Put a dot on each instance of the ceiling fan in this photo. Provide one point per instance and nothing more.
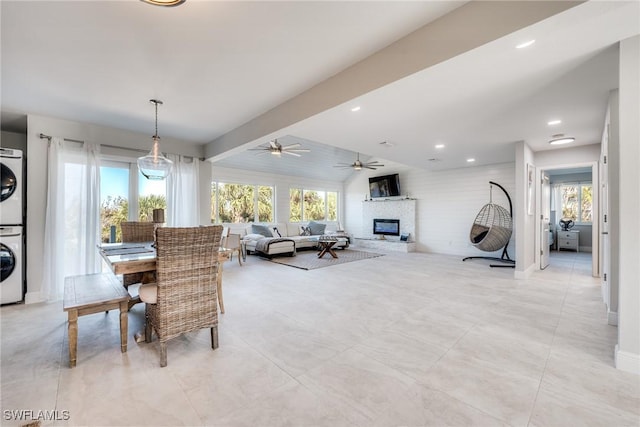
(358, 165)
(276, 149)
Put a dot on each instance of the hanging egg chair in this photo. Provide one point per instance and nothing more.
(492, 229)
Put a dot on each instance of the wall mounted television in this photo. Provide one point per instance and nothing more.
(386, 227)
(384, 186)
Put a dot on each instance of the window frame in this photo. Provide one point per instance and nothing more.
(326, 203)
(579, 186)
(215, 215)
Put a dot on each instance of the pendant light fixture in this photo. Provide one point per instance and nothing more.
(166, 3)
(154, 165)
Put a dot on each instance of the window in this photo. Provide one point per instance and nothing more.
(238, 203)
(125, 195)
(114, 200)
(312, 205)
(151, 195)
(577, 202)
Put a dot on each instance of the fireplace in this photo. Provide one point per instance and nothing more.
(386, 227)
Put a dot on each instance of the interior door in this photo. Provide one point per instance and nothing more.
(545, 218)
(605, 251)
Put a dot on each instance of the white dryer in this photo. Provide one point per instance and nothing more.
(11, 189)
(11, 262)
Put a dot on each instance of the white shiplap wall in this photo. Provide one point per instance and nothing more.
(282, 184)
(447, 203)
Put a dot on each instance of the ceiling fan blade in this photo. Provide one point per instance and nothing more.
(369, 167)
(300, 150)
(292, 154)
(373, 164)
(289, 147)
(263, 153)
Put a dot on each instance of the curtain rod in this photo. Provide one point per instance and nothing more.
(137, 150)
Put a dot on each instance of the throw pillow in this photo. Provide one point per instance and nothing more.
(316, 228)
(261, 229)
(276, 233)
(305, 231)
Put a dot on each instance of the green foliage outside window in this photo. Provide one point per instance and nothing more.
(313, 205)
(332, 206)
(235, 203)
(577, 202)
(265, 204)
(295, 205)
(115, 210)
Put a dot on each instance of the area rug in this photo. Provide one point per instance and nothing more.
(308, 260)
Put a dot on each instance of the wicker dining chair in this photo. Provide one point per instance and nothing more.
(132, 232)
(186, 295)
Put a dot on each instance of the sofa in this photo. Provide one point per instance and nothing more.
(269, 239)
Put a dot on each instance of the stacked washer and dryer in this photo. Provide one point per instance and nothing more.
(11, 215)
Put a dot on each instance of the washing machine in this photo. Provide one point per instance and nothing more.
(11, 261)
(11, 189)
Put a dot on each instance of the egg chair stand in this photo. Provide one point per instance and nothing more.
(492, 230)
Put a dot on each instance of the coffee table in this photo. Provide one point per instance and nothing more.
(94, 293)
(326, 244)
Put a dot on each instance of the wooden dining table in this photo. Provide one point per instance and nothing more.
(140, 257)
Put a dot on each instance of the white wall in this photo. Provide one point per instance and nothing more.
(282, 184)
(37, 176)
(16, 141)
(447, 203)
(628, 348)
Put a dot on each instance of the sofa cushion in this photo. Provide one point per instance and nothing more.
(253, 236)
(261, 229)
(316, 228)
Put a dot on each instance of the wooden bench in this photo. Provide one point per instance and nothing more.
(94, 293)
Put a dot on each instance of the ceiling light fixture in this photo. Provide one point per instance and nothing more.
(165, 3)
(525, 44)
(354, 109)
(358, 165)
(471, 160)
(559, 139)
(154, 165)
(439, 146)
(554, 122)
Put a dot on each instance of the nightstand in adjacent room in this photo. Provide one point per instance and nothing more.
(569, 240)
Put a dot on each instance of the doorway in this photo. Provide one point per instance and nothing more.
(569, 221)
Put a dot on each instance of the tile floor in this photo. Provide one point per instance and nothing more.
(405, 339)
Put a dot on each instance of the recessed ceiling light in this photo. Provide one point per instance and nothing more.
(471, 160)
(560, 139)
(525, 44)
(554, 122)
(439, 145)
(354, 109)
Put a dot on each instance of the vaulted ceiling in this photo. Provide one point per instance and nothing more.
(230, 73)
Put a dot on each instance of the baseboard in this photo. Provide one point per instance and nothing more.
(612, 318)
(588, 249)
(521, 275)
(34, 297)
(628, 362)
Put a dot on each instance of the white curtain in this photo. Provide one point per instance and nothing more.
(183, 206)
(72, 222)
(556, 203)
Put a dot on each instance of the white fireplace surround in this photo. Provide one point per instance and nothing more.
(403, 210)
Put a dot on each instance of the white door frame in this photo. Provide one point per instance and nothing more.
(595, 223)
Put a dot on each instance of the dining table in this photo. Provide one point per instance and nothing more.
(140, 257)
